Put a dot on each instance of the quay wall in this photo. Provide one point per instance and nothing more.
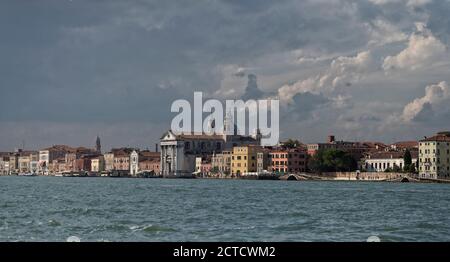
(368, 176)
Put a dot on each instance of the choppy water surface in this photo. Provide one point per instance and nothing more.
(115, 209)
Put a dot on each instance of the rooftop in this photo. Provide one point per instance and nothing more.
(406, 144)
(439, 137)
(390, 155)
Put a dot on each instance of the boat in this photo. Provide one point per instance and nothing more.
(27, 174)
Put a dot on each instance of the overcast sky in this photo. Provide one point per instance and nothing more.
(362, 70)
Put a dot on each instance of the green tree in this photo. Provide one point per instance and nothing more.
(332, 160)
(396, 169)
(389, 170)
(407, 159)
(290, 143)
(412, 168)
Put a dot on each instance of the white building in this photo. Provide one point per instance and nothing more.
(134, 163)
(380, 161)
(4, 165)
(44, 160)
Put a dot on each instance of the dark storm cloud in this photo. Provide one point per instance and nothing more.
(102, 61)
(303, 104)
(110, 63)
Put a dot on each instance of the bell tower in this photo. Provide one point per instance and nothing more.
(98, 145)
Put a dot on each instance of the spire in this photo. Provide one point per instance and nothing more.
(227, 124)
(98, 145)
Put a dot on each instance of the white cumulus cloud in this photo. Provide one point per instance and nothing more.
(342, 72)
(434, 104)
(423, 50)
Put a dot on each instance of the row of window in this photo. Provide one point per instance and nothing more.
(433, 143)
(240, 158)
(429, 160)
(244, 165)
(382, 166)
(203, 145)
(121, 160)
(285, 163)
(295, 155)
(274, 156)
(428, 151)
(424, 175)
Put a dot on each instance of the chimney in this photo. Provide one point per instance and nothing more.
(156, 147)
(331, 139)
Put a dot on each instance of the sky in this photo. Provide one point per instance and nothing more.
(374, 70)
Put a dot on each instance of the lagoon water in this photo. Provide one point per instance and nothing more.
(119, 209)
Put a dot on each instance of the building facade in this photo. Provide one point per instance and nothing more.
(434, 156)
(109, 161)
(134, 163)
(262, 161)
(244, 159)
(284, 161)
(382, 161)
(97, 164)
(221, 162)
(121, 160)
(354, 149)
(179, 151)
(149, 161)
(4, 163)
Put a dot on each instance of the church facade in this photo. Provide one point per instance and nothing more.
(179, 151)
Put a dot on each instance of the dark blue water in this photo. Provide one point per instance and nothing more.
(115, 209)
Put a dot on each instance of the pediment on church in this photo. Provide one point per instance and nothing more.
(168, 136)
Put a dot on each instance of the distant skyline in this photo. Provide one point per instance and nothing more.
(374, 70)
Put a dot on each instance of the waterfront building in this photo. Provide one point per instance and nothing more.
(70, 161)
(56, 166)
(221, 162)
(97, 164)
(48, 155)
(134, 163)
(149, 161)
(284, 161)
(354, 149)
(381, 161)
(434, 156)
(203, 166)
(27, 161)
(82, 164)
(150, 165)
(24, 163)
(122, 159)
(244, 159)
(34, 162)
(262, 161)
(109, 161)
(13, 163)
(179, 151)
(4, 164)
